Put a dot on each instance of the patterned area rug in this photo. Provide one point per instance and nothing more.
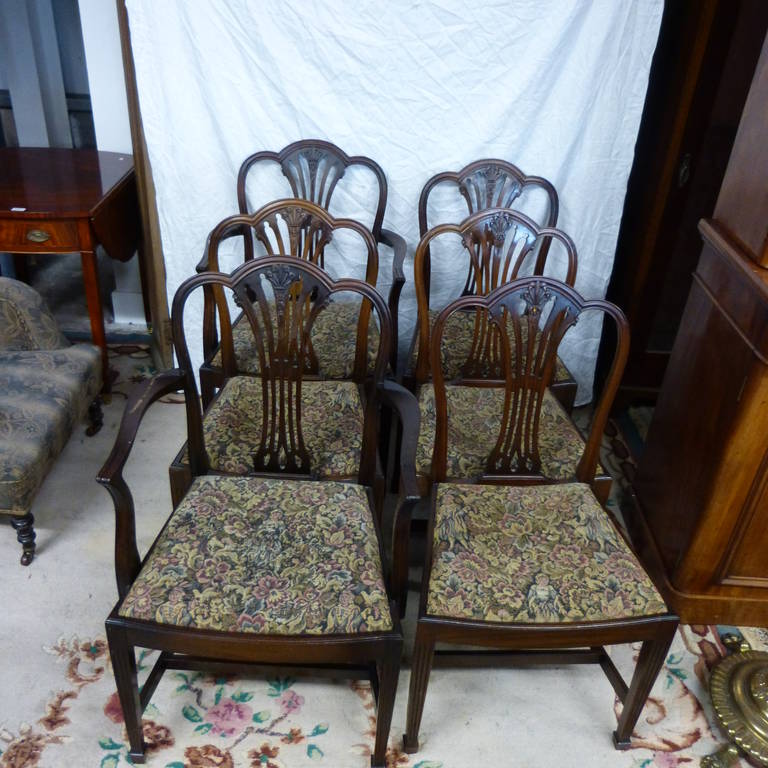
(60, 707)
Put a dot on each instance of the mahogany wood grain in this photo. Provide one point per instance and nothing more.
(701, 505)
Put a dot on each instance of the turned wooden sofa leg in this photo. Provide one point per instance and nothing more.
(25, 534)
(95, 417)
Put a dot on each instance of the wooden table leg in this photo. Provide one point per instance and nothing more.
(96, 313)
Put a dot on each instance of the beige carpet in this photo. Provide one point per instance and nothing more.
(58, 706)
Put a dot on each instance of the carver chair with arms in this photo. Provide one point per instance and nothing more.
(271, 568)
(313, 169)
(535, 569)
(339, 359)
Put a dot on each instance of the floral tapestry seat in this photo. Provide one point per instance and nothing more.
(474, 421)
(334, 336)
(331, 418)
(289, 557)
(536, 554)
(458, 334)
(47, 386)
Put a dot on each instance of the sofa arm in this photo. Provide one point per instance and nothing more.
(407, 409)
(26, 323)
(127, 561)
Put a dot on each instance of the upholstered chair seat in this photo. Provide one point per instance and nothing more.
(539, 554)
(288, 558)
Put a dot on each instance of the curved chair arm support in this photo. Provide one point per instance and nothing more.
(585, 471)
(407, 409)
(397, 244)
(127, 561)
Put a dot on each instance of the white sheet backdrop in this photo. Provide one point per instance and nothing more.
(555, 86)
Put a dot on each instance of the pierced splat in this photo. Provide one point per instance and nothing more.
(499, 243)
(281, 329)
(530, 324)
(525, 321)
(308, 235)
(490, 186)
(313, 173)
(287, 228)
(313, 169)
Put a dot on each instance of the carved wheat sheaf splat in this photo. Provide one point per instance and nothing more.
(308, 235)
(489, 186)
(529, 326)
(497, 247)
(281, 330)
(313, 173)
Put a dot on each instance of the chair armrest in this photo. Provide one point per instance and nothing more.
(397, 244)
(202, 265)
(127, 562)
(407, 409)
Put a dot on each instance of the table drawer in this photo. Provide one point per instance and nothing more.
(17, 235)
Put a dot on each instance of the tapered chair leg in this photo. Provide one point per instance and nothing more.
(388, 674)
(423, 652)
(649, 663)
(124, 667)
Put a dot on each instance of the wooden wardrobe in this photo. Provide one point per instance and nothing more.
(700, 516)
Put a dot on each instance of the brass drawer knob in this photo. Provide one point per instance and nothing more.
(38, 235)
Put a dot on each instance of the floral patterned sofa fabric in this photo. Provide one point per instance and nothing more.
(332, 425)
(499, 551)
(458, 334)
(43, 395)
(25, 321)
(288, 558)
(334, 338)
(474, 420)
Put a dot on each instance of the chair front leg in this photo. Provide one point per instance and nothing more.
(124, 666)
(389, 670)
(421, 666)
(652, 655)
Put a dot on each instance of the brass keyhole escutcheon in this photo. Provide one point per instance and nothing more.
(38, 235)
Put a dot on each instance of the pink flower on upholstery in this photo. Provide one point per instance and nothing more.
(229, 717)
(290, 701)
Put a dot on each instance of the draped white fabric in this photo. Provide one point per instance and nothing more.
(554, 86)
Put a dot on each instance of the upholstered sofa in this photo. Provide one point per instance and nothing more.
(47, 385)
